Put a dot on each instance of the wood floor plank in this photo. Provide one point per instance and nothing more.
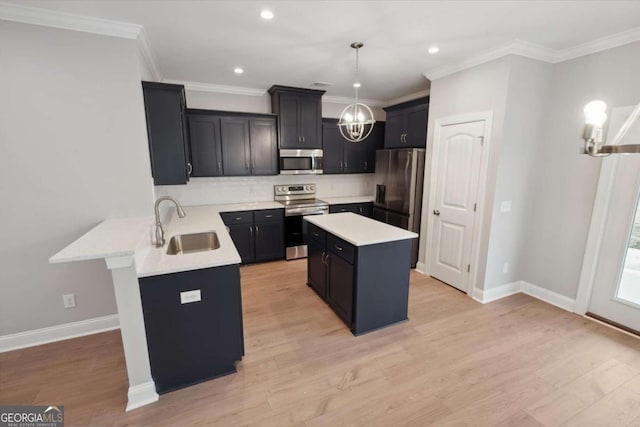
(514, 362)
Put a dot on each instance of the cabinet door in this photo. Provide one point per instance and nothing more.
(340, 287)
(332, 146)
(164, 107)
(394, 129)
(206, 152)
(310, 125)
(236, 152)
(264, 146)
(374, 142)
(416, 128)
(288, 120)
(365, 209)
(269, 240)
(242, 236)
(193, 342)
(353, 156)
(316, 269)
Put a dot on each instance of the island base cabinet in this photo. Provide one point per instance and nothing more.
(382, 285)
(316, 274)
(340, 287)
(192, 338)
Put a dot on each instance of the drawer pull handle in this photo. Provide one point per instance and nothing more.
(238, 218)
(268, 216)
(315, 234)
(338, 247)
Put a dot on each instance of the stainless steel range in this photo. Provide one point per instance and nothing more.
(298, 200)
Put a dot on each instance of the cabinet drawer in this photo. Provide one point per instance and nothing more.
(343, 249)
(241, 217)
(343, 207)
(316, 234)
(269, 215)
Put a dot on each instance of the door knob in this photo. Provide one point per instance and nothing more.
(436, 212)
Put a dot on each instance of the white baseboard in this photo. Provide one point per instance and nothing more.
(58, 333)
(420, 267)
(553, 298)
(548, 296)
(141, 394)
(493, 294)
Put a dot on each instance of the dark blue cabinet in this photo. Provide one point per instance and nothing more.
(299, 114)
(165, 107)
(257, 235)
(406, 125)
(191, 342)
(342, 156)
(364, 209)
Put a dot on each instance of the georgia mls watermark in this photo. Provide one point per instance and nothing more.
(31, 416)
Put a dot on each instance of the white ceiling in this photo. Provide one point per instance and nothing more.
(308, 41)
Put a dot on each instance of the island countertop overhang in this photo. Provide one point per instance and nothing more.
(359, 230)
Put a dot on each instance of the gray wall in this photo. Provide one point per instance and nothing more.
(565, 179)
(74, 152)
(527, 97)
(481, 88)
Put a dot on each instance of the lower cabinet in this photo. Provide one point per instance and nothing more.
(257, 235)
(366, 286)
(193, 323)
(365, 209)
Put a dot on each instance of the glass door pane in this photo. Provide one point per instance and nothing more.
(629, 287)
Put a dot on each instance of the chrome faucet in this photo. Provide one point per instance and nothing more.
(159, 229)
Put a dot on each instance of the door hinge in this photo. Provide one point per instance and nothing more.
(481, 138)
(475, 207)
(468, 268)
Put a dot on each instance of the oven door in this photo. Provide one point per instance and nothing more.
(293, 236)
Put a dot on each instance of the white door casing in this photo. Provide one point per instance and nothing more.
(457, 162)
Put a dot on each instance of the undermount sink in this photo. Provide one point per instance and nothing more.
(190, 243)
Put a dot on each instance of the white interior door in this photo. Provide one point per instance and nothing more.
(616, 286)
(457, 155)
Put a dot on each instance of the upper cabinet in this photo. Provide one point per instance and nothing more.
(165, 107)
(299, 114)
(342, 156)
(232, 144)
(407, 124)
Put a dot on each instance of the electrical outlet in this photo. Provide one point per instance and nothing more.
(505, 268)
(69, 300)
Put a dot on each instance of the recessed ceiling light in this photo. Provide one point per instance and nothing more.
(434, 49)
(238, 70)
(356, 85)
(266, 14)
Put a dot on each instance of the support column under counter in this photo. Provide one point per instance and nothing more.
(142, 389)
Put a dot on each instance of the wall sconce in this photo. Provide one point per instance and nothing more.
(595, 114)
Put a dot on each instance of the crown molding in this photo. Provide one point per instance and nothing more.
(215, 88)
(540, 53)
(147, 55)
(68, 21)
(409, 97)
(348, 100)
(598, 45)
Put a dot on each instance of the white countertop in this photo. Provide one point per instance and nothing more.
(131, 237)
(347, 199)
(359, 230)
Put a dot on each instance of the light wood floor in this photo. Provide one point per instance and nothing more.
(514, 362)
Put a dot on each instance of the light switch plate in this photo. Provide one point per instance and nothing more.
(190, 296)
(505, 206)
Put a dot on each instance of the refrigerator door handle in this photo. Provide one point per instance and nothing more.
(380, 193)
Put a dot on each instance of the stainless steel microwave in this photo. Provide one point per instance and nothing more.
(300, 162)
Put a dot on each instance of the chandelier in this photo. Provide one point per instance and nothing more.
(356, 121)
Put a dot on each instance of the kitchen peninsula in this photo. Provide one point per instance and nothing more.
(360, 267)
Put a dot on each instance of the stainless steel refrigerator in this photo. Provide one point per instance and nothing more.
(398, 190)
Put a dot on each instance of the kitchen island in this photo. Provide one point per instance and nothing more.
(360, 267)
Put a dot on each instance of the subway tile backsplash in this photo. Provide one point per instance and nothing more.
(222, 190)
